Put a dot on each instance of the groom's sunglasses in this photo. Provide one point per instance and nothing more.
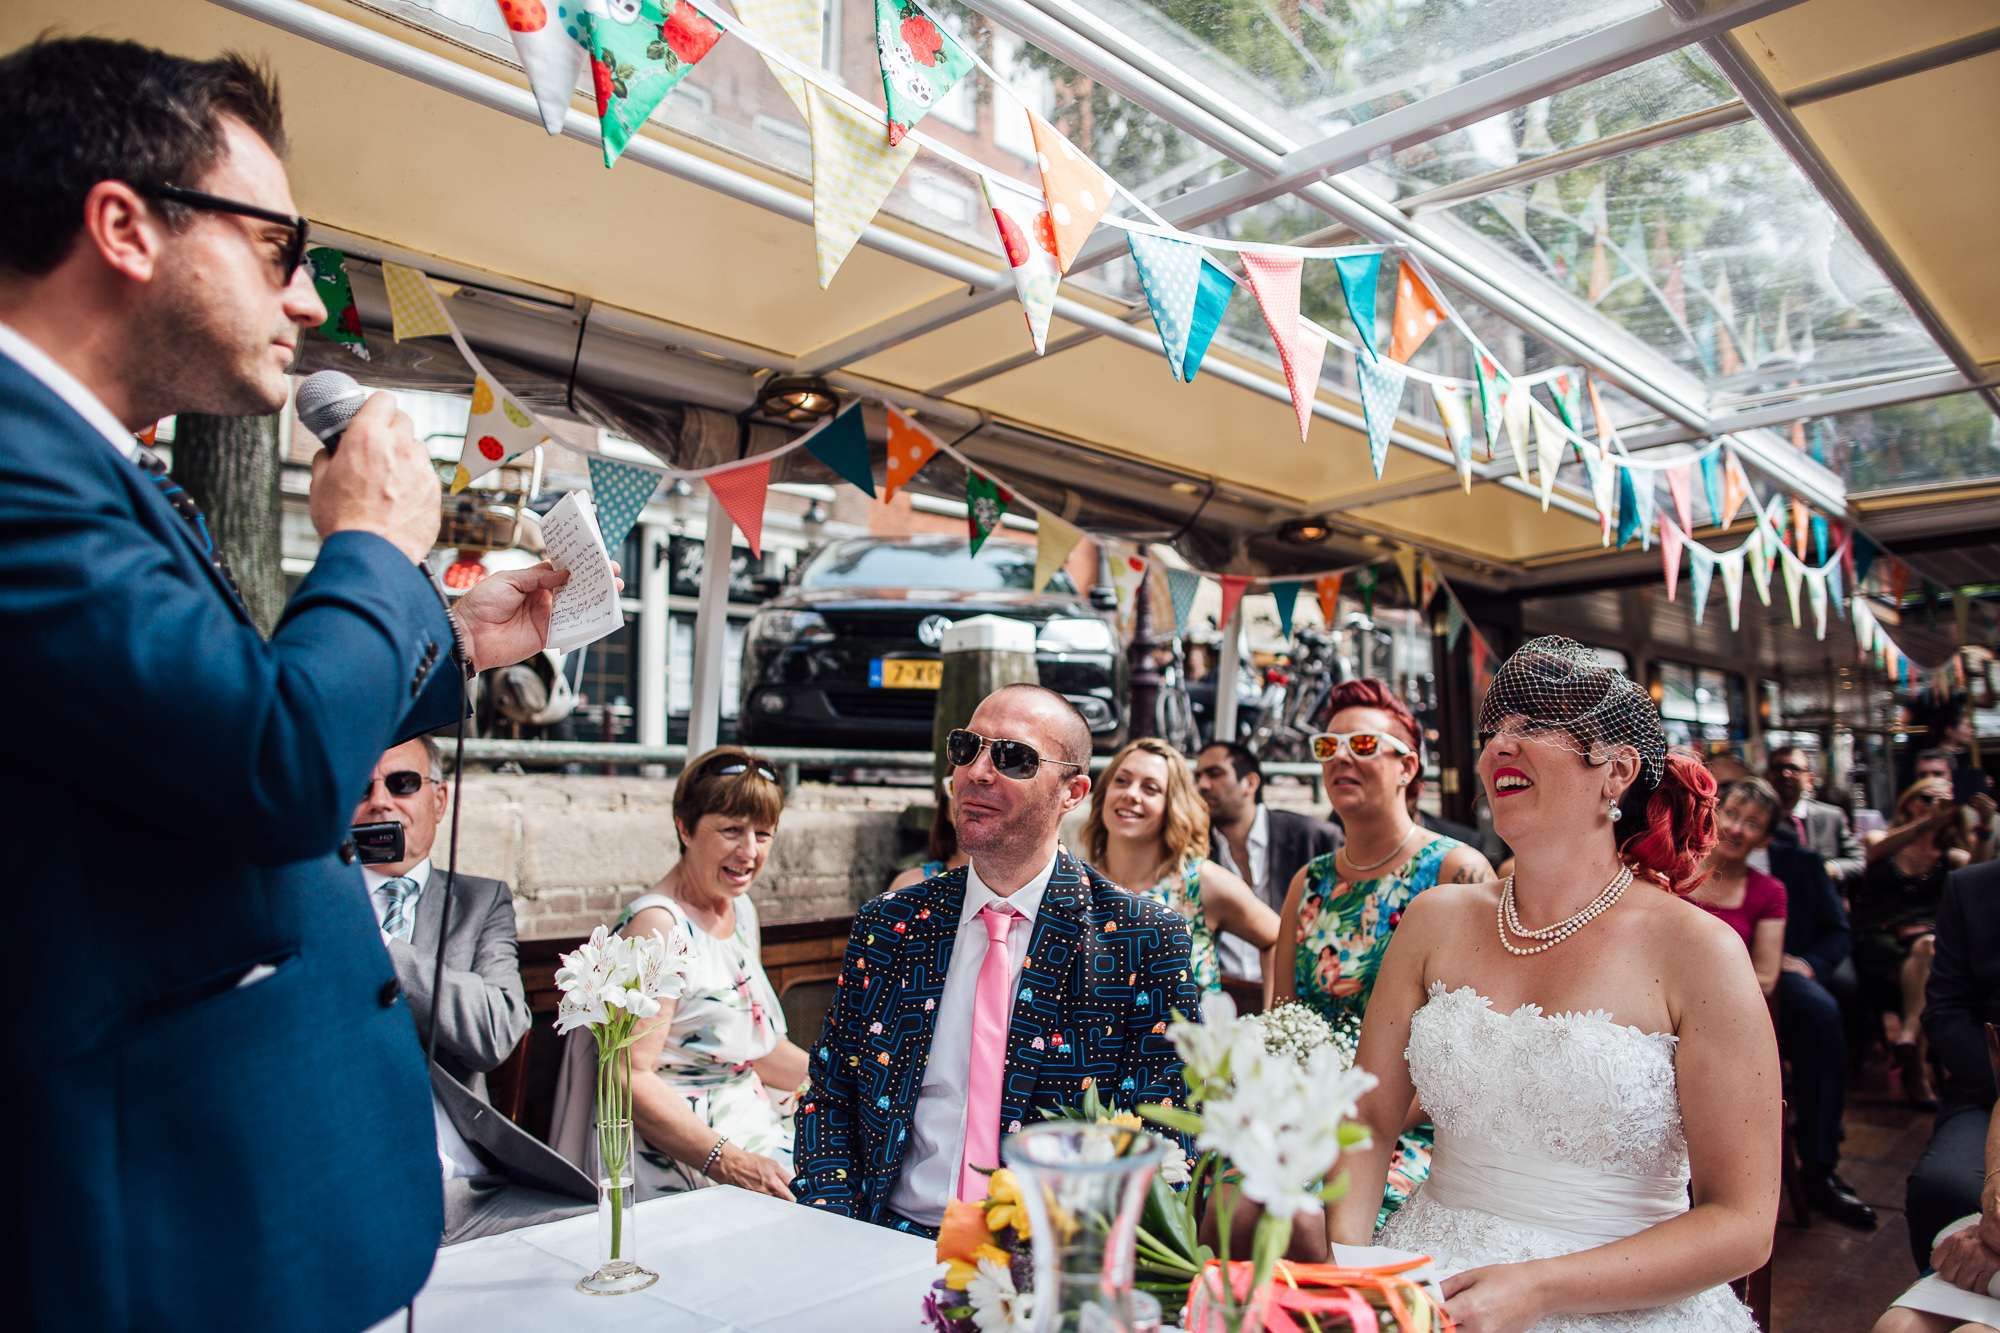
(403, 782)
(1011, 759)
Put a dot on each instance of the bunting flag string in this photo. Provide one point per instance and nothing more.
(1492, 388)
(1427, 578)
(1816, 594)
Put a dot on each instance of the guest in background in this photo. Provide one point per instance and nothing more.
(1341, 908)
(1265, 847)
(978, 1000)
(941, 853)
(714, 1079)
(496, 1176)
(1753, 903)
(1978, 833)
(1811, 823)
(1148, 830)
(1895, 908)
(1962, 998)
(1967, 1259)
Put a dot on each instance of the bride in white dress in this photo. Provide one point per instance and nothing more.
(1591, 1048)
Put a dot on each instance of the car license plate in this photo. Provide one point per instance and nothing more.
(905, 673)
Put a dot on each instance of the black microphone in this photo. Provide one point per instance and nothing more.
(327, 401)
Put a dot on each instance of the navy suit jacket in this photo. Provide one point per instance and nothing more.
(1104, 974)
(195, 1152)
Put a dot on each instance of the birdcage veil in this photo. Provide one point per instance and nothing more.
(1554, 691)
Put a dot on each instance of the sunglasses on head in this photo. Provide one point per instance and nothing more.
(294, 253)
(403, 782)
(1011, 759)
(1360, 744)
(764, 771)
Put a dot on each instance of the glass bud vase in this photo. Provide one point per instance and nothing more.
(1085, 1186)
(618, 1271)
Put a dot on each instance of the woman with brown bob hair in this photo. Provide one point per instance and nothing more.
(1148, 830)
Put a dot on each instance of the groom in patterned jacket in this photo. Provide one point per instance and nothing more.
(974, 1002)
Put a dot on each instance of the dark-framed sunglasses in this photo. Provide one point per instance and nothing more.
(403, 782)
(295, 245)
(1360, 744)
(1011, 759)
(764, 771)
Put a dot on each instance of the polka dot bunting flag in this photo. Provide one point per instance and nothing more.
(1188, 295)
(1274, 279)
(910, 447)
(1076, 189)
(1381, 396)
(1417, 314)
(620, 491)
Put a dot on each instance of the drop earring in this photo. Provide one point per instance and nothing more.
(1616, 813)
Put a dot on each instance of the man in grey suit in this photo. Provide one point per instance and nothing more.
(1264, 846)
(496, 1175)
(1812, 824)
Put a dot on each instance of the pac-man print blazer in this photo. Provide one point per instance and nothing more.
(1104, 972)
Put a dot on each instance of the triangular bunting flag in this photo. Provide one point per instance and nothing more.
(1735, 489)
(1358, 276)
(1054, 540)
(1819, 538)
(1801, 525)
(1018, 217)
(1381, 399)
(842, 444)
(414, 308)
(741, 491)
(1603, 490)
(1492, 387)
(1365, 580)
(1648, 500)
(1514, 411)
(1834, 587)
(620, 491)
(1861, 553)
(985, 504)
(1417, 313)
(794, 27)
(638, 53)
(1569, 402)
(1548, 450)
(1628, 507)
(1406, 565)
(1679, 484)
(551, 55)
(1233, 588)
(1757, 550)
(1701, 570)
(1732, 587)
(498, 428)
(1128, 576)
(854, 168)
(1182, 585)
(1711, 487)
(920, 62)
(1816, 594)
(1327, 588)
(1286, 595)
(1793, 572)
(910, 447)
(1427, 583)
(1076, 188)
(336, 293)
(1670, 554)
(1457, 427)
(1454, 622)
(1188, 294)
(1274, 280)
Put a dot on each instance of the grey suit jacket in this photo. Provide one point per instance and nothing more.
(1827, 833)
(518, 1155)
(484, 1007)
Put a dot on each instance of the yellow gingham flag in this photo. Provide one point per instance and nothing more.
(793, 26)
(412, 303)
(854, 168)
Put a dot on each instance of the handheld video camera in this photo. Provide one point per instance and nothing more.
(377, 844)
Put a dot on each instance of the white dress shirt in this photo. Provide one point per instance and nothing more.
(937, 1125)
(68, 388)
(456, 1157)
(1239, 957)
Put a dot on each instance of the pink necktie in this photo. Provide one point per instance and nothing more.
(992, 1008)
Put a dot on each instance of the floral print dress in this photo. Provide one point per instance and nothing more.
(1343, 931)
(1181, 892)
(727, 1018)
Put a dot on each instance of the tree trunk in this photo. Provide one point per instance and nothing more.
(230, 466)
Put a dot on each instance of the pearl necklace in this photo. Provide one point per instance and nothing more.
(1359, 869)
(1506, 919)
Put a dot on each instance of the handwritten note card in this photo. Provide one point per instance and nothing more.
(586, 607)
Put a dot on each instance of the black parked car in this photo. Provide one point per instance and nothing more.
(849, 654)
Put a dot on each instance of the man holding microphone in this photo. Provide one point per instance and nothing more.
(224, 1117)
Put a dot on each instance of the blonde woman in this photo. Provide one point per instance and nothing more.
(1148, 830)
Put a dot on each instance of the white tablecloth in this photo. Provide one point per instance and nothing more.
(729, 1262)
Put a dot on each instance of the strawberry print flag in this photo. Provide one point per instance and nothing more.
(1030, 245)
(920, 62)
(551, 55)
(639, 51)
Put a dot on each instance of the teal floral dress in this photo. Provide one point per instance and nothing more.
(727, 1018)
(1181, 892)
(1343, 931)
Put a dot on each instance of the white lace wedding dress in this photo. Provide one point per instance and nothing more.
(1555, 1133)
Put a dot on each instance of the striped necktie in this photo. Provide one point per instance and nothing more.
(190, 512)
(399, 907)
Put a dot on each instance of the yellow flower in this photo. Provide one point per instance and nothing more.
(1004, 1206)
(961, 1272)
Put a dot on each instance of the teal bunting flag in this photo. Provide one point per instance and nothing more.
(1836, 589)
(1701, 570)
(1188, 294)
(1454, 623)
(1182, 585)
(842, 444)
(620, 491)
(1381, 398)
(1711, 484)
(1628, 507)
(1286, 595)
(1864, 555)
(1358, 274)
(1643, 491)
(1819, 538)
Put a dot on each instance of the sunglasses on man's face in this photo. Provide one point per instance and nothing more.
(291, 255)
(1360, 744)
(1011, 759)
(403, 782)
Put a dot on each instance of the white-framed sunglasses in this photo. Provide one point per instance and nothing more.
(1360, 744)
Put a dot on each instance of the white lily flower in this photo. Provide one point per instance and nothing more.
(663, 965)
(997, 1307)
(1204, 1046)
(1174, 1167)
(580, 1008)
(1279, 1122)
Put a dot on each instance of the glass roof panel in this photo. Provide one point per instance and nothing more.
(1940, 440)
(1716, 252)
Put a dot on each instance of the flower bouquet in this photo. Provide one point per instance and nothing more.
(608, 986)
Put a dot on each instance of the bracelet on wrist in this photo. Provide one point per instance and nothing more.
(714, 1154)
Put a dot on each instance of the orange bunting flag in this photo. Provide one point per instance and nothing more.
(910, 447)
(1328, 588)
(1417, 313)
(1801, 524)
(1233, 588)
(1679, 482)
(741, 491)
(1735, 489)
(1075, 188)
(1275, 281)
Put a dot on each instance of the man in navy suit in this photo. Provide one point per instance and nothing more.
(894, 1124)
(223, 1112)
